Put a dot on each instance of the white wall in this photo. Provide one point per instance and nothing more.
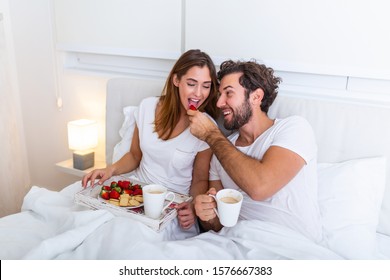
(44, 124)
(14, 173)
(146, 28)
(333, 37)
(335, 45)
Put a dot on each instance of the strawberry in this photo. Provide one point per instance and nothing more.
(117, 188)
(114, 194)
(105, 194)
(125, 184)
(107, 188)
(128, 191)
(136, 186)
(113, 184)
(137, 192)
(192, 107)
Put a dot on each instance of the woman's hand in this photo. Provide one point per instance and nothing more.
(102, 174)
(185, 215)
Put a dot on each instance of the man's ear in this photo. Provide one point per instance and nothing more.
(257, 96)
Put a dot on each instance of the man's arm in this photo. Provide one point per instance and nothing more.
(260, 179)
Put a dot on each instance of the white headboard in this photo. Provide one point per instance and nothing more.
(122, 92)
(343, 130)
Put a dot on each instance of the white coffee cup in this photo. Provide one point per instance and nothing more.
(229, 203)
(154, 197)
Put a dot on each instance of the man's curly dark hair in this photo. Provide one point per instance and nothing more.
(254, 76)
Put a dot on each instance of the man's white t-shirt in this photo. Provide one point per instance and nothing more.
(296, 204)
(166, 162)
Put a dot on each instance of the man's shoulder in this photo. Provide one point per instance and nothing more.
(294, 120)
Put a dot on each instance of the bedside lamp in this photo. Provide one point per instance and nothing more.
(82, 138)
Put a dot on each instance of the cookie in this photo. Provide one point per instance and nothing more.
(133, 202)
(124, 200)
(114, 201)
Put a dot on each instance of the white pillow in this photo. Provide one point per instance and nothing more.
(126, 133)
(350, 197)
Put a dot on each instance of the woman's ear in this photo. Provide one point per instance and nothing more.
(175, 80)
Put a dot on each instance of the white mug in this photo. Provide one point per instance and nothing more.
(229, 205)
(154, 197)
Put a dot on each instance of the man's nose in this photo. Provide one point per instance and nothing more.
(221, 101)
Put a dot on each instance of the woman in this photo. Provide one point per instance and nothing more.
(163, 150)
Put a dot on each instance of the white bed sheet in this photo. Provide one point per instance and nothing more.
(51, 226)
(383, 245)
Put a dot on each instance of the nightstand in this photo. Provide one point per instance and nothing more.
(67, 167)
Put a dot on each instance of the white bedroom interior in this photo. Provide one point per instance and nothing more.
(66, 50)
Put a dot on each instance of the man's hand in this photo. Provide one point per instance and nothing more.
(204, 206)
(200, 125)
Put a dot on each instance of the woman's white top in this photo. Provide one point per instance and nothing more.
(166, 162)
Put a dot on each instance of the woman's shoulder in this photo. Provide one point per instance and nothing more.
(149, 102)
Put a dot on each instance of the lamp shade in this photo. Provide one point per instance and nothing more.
(82, 134)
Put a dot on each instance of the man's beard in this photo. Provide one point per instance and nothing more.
(241, 116)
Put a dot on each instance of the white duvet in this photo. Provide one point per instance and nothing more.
(51, 226)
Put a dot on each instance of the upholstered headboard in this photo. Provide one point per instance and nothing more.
(344, 131)
(122, 92)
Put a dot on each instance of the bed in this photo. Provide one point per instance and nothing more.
(354, 196)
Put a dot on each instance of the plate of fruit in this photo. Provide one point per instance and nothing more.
(122, 193)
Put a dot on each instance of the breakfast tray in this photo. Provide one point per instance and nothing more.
(89, 197)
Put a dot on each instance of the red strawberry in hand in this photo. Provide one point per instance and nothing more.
(192, 107)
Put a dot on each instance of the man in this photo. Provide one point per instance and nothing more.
(272, 162)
